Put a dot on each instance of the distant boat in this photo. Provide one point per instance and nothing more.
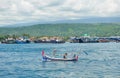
(22, 41)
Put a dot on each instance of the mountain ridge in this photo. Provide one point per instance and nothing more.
(69, 21)
(96, 29)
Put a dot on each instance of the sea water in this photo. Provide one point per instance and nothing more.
(96, 60)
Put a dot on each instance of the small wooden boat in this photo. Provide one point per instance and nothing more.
(48, 58)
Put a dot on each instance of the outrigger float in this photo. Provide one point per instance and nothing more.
(48, 58)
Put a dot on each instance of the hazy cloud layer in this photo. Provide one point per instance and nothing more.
(14, 11)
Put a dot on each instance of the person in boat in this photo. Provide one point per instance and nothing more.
(65, 56)
(54, 52)
(74, 56)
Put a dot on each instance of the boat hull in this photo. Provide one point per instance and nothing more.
(47, 58)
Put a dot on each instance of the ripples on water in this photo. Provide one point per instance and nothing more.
(96, 60)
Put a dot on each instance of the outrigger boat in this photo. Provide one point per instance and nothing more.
(48, 58)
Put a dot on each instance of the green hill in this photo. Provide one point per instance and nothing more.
(102, 29)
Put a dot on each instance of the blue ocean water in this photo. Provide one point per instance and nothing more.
(96, 60)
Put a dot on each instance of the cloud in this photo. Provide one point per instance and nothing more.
(14, 11)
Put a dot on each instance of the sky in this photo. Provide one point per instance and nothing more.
(21, 11)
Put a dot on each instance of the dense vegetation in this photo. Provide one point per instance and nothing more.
(64, 30)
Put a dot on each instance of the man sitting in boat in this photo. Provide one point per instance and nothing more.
(54, 52)
(74, 56)
(65, 56)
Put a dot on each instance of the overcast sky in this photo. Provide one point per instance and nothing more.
(15, 11)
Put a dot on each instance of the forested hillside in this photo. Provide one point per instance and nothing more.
(103, 29)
